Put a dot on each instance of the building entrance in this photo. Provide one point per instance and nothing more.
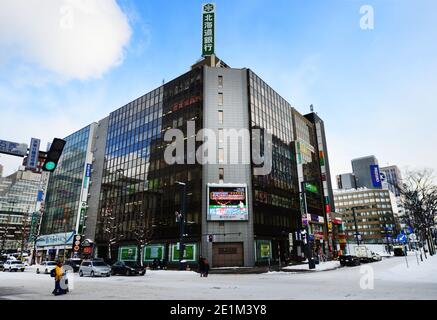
(228, 254)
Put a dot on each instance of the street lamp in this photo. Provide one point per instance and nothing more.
(356, 226)
(181, 216)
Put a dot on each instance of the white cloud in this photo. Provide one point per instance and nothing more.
(74, 39)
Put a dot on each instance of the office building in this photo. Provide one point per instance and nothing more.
(346, 181)
(18, 197)
(134, 193)
(366, 172)
(368, 212)
(71, 194)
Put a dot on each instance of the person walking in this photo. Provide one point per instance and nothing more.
(201, 266)
(58, 273)
(205, 267)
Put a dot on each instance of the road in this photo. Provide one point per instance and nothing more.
(391, 280)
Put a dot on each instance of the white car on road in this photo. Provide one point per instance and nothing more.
(45, 267)
(13, 265)
(94, 268)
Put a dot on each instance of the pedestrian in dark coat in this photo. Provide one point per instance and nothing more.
(201, 266)
(205, 267)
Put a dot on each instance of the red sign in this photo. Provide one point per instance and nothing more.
(87, 250)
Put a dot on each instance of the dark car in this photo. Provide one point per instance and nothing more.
(399, 251)
(74, 263)
(349, 260)
(127, 268)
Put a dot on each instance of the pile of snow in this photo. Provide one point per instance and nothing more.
(416, 271)
(322, 266)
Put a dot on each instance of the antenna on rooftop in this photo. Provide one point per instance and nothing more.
(312, 108)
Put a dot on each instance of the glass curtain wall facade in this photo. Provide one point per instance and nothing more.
(17, 203)
(276, 195)
(139, 194)
(65, 186)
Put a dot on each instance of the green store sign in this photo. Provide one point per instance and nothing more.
(127, 254)
(311, 188)
(189, 253)
(153, 252)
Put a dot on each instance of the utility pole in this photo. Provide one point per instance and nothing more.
(307, 246)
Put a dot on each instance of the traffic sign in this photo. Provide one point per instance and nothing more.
(402, 238)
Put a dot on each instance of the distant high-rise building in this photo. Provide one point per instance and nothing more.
(393, 178)
(346, 181)
(366, 172)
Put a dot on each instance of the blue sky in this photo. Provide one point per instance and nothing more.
(375, 89)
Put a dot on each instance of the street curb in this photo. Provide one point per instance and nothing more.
(310, 271)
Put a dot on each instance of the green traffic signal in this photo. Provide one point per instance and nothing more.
(50, 165)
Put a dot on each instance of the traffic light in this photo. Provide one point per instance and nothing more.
(54, 154)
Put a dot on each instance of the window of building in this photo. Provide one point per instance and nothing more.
(221, 155)
(220, 99)
(220, 136)
(220, 81)
(220, 116)
(221, 175)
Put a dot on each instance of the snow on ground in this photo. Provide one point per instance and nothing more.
(392, 280)
(322, 266)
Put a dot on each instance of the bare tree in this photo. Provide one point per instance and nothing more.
(419, 199)
(110, 231)
(143, 232)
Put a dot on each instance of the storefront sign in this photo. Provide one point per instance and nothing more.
(265, 250)
(153, 252)
(55, 239)
(127, 254)
(311, 187)
(190, 252)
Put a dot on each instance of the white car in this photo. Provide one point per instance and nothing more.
(94, 268)
(13, 265)
(45, 267)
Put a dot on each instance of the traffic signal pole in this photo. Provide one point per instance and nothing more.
(307, 246)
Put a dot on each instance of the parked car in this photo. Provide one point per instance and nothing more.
(94, 268)
(45, 267)
(13, 265)
(74, 263)
(348, 260)
(399, 251)
(127, 268)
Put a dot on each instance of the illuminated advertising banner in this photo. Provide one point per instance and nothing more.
(227, 203)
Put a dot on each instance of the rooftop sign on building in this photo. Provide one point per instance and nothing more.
(208, 29)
